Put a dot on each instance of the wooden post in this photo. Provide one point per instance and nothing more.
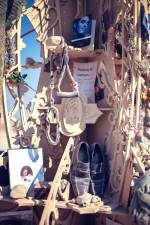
(3, 8)
(138, 96)
(127, 173)
(18, 59)
(3, 129)
(50, 206)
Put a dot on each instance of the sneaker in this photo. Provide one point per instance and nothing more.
(80, 169)
(98, 170)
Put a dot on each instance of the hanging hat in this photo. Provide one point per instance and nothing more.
(53, 41)
(72, 116)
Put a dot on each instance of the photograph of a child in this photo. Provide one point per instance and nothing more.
(26, 173)
(81, 33)
(28, 169)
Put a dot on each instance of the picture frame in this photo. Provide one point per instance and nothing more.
(83, 33)
(25, 167)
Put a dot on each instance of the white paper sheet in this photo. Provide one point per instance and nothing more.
(85, 75)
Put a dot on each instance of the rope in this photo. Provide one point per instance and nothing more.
(65, 67)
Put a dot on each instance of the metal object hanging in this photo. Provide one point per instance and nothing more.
(52, 114)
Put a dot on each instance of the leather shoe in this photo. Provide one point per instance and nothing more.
(80, 169)
(98, 170)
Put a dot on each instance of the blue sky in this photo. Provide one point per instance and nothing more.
(32, 50)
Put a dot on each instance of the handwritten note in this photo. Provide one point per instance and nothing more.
(85, 75)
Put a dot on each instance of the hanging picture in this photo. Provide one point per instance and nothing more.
(25, 167)
(83, 32)
(85, 75)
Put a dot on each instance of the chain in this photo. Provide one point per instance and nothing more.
(51, 82)
(52, 115)
(137, 132)
(138, 135)
(130, 99)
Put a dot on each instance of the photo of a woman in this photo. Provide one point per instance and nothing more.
(81, 34)
(26, 173)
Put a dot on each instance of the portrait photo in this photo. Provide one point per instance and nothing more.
(81, 31)
(26, 173)
(25, 167)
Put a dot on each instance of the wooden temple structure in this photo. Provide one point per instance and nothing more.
(119, 122)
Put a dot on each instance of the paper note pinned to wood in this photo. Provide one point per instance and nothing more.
(85, 75)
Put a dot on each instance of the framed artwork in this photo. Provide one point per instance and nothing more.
(25, 167)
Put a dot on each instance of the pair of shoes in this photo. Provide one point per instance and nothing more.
(89, 170)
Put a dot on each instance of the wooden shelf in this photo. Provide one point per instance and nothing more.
(79, 52)
(83, 53)
(108, 208)
(99, 108)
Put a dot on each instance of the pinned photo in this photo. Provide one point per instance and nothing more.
(25, 167)
(26, 173)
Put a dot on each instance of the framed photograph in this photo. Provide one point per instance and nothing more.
(25, 167)
(81, 31)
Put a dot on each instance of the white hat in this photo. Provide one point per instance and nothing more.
(54, 42)
(72, 116)
(18, 191)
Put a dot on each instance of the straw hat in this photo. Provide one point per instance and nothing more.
(72, 116)
(18, 191)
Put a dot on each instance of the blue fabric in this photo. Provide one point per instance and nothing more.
(145, 27)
